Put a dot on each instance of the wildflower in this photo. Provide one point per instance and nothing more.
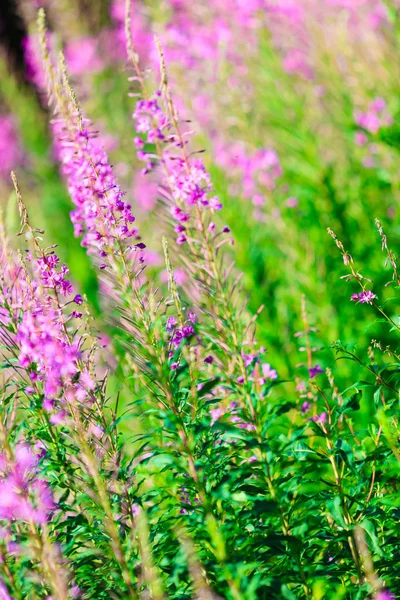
(135, 510)
(365, 297)
(138, 142)
(82, 55)
(100, 215)
(292, 202)
(209, 360)
(360, 138)
(45, 352)
(171, 323)
(269, 373)
(4, 593)
(215, 413)
(187, 331)
(305, 407)
(257, 171)
(319, 419)
(375, 117)
(385, 595)
(181, 239)
(215, 203)
(11, 153)
(313, 371)
(58, 418)
(24, 496)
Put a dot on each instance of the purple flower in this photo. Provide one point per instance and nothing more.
(181, 239)
(11, 153)
(320, 419)
(209, 359)
(363, 297)
(385, 595)
(100, 215)
(215, 203)
(78, 299)
(313, 371)
(187, 331)
(171, 323)
(269, 373)
(215, 413)
(24, 496)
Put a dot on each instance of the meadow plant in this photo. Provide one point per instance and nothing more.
(175, 461)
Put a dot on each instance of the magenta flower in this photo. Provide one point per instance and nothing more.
(24, 496)
(314, 371)
(385, 595)
(186, 184)
(320, 419)
(375, 117)
(4, 593)
(101, 216)
(257, 171)
(215, 413)
(11, 152)
(363, 297)
(82, 56)
(269, 373)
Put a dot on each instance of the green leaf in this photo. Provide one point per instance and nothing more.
(335, 509)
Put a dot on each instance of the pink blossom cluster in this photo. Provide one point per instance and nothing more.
(11, 151)
(101, 215)
(44, 351)
(24, 495)
(365, 297)
(289, 22)
(34, 70)
(178, 333)
(197, 34)
(373, 119)
(48, 347)
(254, 362)
(185, 180)
(83, 55)
(256, 172)
(114, 42)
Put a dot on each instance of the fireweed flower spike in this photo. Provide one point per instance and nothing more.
(365, 296)
(26, 507)
(49, 352)
(186, 186)
(52, 353)
(101, 216)
(105, 222)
